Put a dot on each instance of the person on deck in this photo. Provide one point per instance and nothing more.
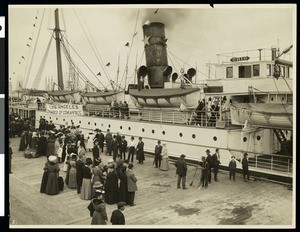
(131, 184)
(131, 146)
(232, 168)
(108, 139)
(86, 188)
(53, 172)
(245, 165)
(215, 161)
(164, 158)
(97, 208)
(123, 148)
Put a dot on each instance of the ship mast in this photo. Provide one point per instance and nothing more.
(58, 52)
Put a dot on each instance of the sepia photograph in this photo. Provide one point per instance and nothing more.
(152, 116)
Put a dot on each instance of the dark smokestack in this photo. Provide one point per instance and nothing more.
(156, 54)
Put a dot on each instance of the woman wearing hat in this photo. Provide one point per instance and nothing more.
(90, 141)
(140, 151)
(97, 209)
(52, 182)
(72, 183)
(97, 186)
(45, 177)
(111, 185)
(164, 158)
(86, 188)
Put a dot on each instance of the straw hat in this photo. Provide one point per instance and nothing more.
(52, 158)
(97, 184)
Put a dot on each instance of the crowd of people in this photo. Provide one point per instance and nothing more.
(113, 182)
(207, 113)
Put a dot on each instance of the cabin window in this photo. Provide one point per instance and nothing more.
(282, 71)
(256, 70)
(193, 136)
(287, 72)
(163, 132)
(269, 70)
(229, 72)
(143, 130)
(245, 71)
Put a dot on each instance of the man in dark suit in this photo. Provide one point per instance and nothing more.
(96, 151)
(215, 160)
(209, 165)
(245, 165)
(181, 169)
(79, 173)
(157, 154)
(117, 217)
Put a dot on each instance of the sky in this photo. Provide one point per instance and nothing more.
(98, 33)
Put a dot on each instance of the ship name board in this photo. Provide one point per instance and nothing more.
(64, 109)
(242, 58)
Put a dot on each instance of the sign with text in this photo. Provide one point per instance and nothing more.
(64, 109)
(242, 58)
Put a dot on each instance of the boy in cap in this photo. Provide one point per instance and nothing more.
(117, 217)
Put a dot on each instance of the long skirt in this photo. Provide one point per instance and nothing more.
(52, 184)
(98, 219)
(86, 189)
(44, 181)
(164, 164)
(72, 179)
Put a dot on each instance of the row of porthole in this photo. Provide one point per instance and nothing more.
(163, 132)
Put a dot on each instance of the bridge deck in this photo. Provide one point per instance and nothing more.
(158, 202)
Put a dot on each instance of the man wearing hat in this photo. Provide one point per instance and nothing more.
(131, 184)
(117, 217)
(245, 167)
(181, 169)
(232, 168)
(209, 165)
(157, 154)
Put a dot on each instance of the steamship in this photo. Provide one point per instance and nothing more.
(258, 119)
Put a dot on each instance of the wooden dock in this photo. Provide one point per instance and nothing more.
(158, 202)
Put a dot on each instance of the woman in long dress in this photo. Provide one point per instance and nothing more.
(111, 186)
(96, 171)
(52, 182)
(86, 188)
(165, 158)
(22, 141)
(97, 209)
(90, 141)
(72, 183)
(45, 177)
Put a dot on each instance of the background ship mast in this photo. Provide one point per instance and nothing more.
(58, 52)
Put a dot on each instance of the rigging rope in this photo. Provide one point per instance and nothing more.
(39, 74)
(28, 71)
(96, 52)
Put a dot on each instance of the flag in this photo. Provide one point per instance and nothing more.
(155, 12)
(127, 44)
(108, 64)
(99, 74)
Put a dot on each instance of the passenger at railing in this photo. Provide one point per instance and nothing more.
(200, 112)
(115, 109)
(126, 109)
(121, 109)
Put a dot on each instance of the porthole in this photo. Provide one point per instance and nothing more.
(64, 119)
(193, 136)
(163, 132)
(56, 119)
(71, 120)
(180, 134)
(129, 128)
(215, 138)
(258, 137)
(89, 123)
(95, 124)
(49, 117)
(153, 131)
(121, 127)
(143, 130)
(79, 122)
(108, 125)
(272, 98)
(245, 139)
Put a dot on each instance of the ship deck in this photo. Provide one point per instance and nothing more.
(158, 202)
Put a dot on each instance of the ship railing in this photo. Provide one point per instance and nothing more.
(210, 118)
(272, 162)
